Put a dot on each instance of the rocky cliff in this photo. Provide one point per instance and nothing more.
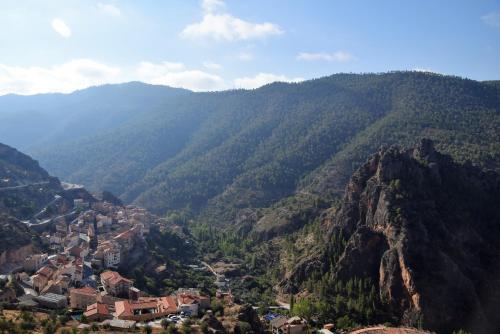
(16, 242)
(427, 231)
(17, 169)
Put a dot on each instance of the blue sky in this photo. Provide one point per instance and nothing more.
(63, 45)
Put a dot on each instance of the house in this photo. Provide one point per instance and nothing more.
(42, 277)
(107, 299)
(78, 252)
(52, 300)
(58, 286)
(293, 325)
(103, 222)
(115, 284)
(97, 312)
(146, 308)
(80, 204)
(126, 239)
(34, 262)
(122, 325)
(135, 293)
(191, 301)
(82, 297)
(111, 255)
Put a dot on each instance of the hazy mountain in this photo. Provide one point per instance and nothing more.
(220, 153)
(47, 119)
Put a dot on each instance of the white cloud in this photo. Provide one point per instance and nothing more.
(176, 75)
(148, 70)
(229, 28)
(108, 9)
(492, 19)
(67, 77)
(212, 66)
(224, 26)
(61, 27)
(246, 56)
(262, 79)
(212, 5)
(339, 56)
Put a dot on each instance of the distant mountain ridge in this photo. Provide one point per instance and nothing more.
(227, 156)
(47, 119)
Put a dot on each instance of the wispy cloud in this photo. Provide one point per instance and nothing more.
(176, 75)
(67, 77)
(148, 69)
(492, 19)
(61, 27)
(262, 79)
(210, 6)
(339, 56)
(82, 73)
(224, 26)
(246, 56)
(109, 9)
(212, 66)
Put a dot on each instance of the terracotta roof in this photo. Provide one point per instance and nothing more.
(75, 250)
(85, 291)
(97, 308)
(161, 304)
(168, 304)
(45, 271)
(122, 308)
(112, 277)
(190, 298)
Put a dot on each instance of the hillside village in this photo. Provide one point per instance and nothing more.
(78, 276)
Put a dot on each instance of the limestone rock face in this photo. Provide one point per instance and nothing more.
(428, 231)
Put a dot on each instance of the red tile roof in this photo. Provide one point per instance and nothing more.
(188, 298)
(97, 308)
(45, 271)
(125, 308)
(112, 277)
(85, 291)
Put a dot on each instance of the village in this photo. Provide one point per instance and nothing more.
(78, 275)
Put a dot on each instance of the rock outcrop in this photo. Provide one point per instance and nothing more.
(17, 169)
(428, 231)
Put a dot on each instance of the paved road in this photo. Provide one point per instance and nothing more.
(25, 185)
(56, 198)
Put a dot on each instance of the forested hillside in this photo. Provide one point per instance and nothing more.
(218, 154)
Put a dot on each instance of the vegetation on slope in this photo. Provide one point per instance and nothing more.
(219, 153)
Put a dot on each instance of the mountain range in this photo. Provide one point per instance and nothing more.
(226, 156)
(284, 179)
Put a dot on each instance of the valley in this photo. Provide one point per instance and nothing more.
(332, 204)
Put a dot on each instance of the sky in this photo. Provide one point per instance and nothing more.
(208, 45)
